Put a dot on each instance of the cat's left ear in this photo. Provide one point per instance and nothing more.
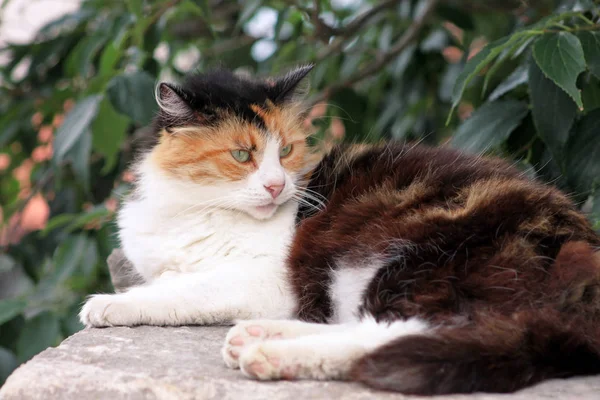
(173, 100)
(287, 87)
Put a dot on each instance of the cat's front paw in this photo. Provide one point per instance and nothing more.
(244, 334)
(102, 310)
(270, 360)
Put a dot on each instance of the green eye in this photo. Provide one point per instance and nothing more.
(285, 150)
(241, 155)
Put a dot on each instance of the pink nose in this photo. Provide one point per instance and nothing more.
(275, 190)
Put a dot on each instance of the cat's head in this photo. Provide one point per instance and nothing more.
(234, 141)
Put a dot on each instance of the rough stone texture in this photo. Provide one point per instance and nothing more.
(185, 363)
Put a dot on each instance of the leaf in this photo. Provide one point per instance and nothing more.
(476, 64)
(114, 49)
(8, 363)
(68, 257)
(552, 109)
(590, 93)
(590, 42)
(80, 59)
(490, 125)
(75, 125)
(518, 77)
(37, 335)
(99, 212)
(109, 130)
(132, 94)
(10, 308)
(136, 7)
(79, 156)
(56, 222)
(560, 57)
(583, 154)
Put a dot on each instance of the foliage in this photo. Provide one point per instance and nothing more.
(390, 68)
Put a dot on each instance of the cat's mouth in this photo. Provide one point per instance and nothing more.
(266, 208)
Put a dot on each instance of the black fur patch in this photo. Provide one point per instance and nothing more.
(205, 98)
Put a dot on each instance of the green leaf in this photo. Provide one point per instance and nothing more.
(75, 125)
(590, 93)
(518, 77)
(490, 125)
(133, 95)
(136, 7)
(10, 308)
(552, 109)
(114, 49)
(38, 334)
(8, 362)
(109, 130)
(56, 222)
(67, 258)
(97, 213)
(583, 154)
(590, 42)
(560, 57)
(79, 157)
(80, 59)
(476, 64)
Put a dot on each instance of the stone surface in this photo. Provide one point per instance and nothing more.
(185, 363)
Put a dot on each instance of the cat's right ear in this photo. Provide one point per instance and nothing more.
(173, 101)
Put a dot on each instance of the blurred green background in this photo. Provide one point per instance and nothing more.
(514, 78)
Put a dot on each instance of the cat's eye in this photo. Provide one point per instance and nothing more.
(241, 155)
(286, 150)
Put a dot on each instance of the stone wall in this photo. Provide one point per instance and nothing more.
(185, 363)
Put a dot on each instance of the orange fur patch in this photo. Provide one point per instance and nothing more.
(203, 154)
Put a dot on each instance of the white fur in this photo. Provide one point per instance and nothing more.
(348, 286)
(309, 351)
(209, 253)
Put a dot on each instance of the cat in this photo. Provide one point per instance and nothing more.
(407, 268)
(207, 228)
(429, 272)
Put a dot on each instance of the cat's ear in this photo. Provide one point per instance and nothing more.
(173, 100)
(288, 87)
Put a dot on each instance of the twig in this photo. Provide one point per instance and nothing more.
(411, 33)
(345, 33)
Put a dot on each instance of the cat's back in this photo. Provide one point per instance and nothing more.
(349, 171)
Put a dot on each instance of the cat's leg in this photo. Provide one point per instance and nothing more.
(246, 333)
(220, 296)
(322, 356)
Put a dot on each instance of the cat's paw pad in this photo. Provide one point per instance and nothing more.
(104, 310)
(243, 335)
(263, 361)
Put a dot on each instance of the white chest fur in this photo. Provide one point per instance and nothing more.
(163, 230)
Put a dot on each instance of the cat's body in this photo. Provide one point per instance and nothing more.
(427, 271)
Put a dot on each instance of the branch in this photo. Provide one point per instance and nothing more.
(409, 36)
(352, 28)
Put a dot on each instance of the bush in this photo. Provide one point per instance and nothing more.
(75, 104)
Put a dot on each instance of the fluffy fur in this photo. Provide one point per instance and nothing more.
(485, 279)
(427, 271)
(208, 234)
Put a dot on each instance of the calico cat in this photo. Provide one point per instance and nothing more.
(431, 272)
(414, 269)
(211, 219)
